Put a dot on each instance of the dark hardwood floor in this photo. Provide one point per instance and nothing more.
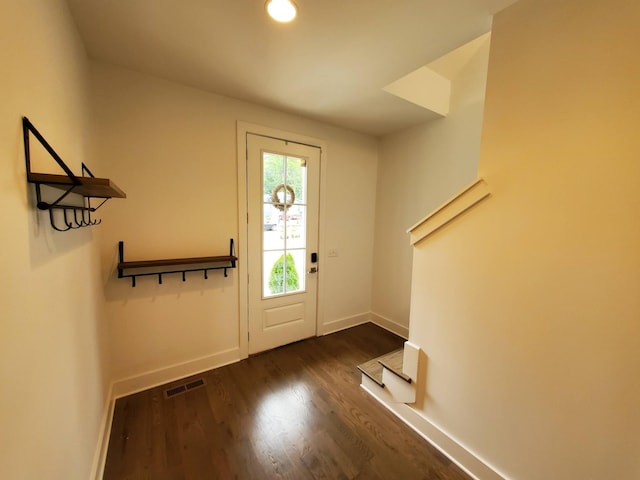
(296, 412)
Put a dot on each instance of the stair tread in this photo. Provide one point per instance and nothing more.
(373, 368)
(393, 362)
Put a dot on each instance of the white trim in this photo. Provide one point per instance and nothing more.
(100, 455)
(244, 128)
(464, 458)
(461, 202)
(390, 325)
(153, 378)
(410, 360)
(355, 320)
(344, 323)
(242, 247)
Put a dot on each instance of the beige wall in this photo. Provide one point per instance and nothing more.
(53, 370)
(419, 169)
(528, 307)
(173, 151)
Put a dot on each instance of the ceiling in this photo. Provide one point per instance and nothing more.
(330, 64)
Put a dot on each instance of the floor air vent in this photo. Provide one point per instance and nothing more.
(173, 391)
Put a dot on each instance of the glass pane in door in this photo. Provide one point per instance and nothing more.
(284, 180)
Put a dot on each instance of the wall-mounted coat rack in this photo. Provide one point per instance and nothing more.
(159, 267)
(88, 187)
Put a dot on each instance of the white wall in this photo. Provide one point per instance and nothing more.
(173, 151)
(419, 169)
(528, 306)
(53, 367)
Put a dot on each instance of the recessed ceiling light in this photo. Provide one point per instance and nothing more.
(281, 10)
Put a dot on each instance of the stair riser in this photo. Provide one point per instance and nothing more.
(400, 390)
(374, 389)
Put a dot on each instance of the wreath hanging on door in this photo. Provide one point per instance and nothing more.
(283, 205)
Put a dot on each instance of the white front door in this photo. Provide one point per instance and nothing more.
(282, 202)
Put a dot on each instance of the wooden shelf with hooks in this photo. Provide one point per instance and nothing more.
(87, 187)
(157, 267)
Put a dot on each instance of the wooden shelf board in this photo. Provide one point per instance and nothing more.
(176, 261)
(88, 187)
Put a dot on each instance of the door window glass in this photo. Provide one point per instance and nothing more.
(284, 181)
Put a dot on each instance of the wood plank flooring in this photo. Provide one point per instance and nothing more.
(296, 412)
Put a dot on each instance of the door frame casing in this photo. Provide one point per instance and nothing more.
(243, 129)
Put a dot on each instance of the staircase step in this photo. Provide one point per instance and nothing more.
(373, 370)
(393, 363)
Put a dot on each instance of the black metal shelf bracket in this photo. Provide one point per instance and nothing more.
(204, 264)
(73, 216)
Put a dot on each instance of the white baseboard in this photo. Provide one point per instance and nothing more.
(355, 320)
(343, 323)
(452, 449)
(390, 325)
(147, 380)
(100, 456)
